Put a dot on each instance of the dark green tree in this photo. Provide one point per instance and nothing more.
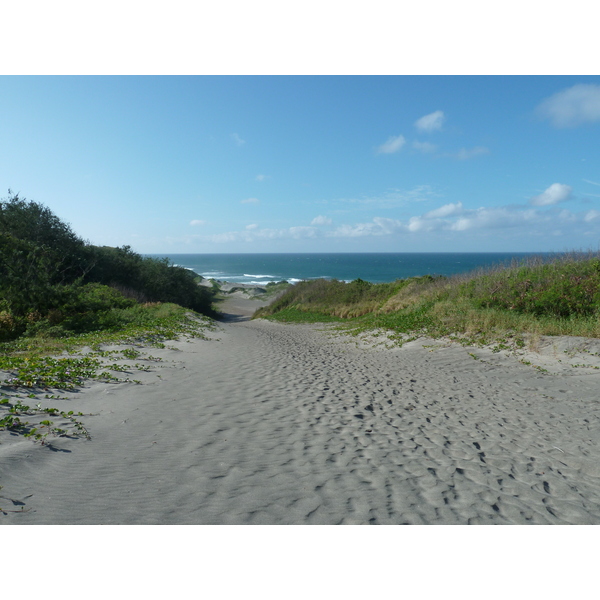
(37, 225)
(47, 271)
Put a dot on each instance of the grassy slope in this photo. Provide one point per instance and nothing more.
(557, 297)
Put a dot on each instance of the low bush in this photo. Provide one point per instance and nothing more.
(562, 288)
(148, 279)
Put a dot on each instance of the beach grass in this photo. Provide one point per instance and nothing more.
(552, 296)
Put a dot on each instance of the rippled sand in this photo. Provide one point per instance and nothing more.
(292, 424)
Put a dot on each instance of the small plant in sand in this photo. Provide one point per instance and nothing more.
(28, 367)
(40, 428)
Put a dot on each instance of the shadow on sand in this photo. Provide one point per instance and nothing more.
(237, 309)
(233, 317)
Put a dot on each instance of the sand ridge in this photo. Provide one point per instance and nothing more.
(268, 423)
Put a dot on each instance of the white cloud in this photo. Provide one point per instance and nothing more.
(431, 122)
(445, 211)
(454, 218)
(237, 139)
(572, 107)
(492, 218)
(452, 222)
(464, 154)
(321, 220)
(261, 177)
(392, 145)
(418, 224)
(592, 182)
(196, 222)
(557, 192)
(424, 147)
(462, 224)
(250, 201)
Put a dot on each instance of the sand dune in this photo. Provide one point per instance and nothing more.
(293, 424)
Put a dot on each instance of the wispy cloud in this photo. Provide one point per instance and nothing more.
(451, 221)
(302, 232)
(492, 218)
(454, 220)
(572, 107)
(392, 145)
(377, 227)
(430, 122)
(557, 192)
(197, 222)
(237, 139)
(321, 220)
(424, 147)
(592, 182)
(445, 211)
(253, 234)
(466, 154)
(261, 177)
(393, 197)
(250, 201)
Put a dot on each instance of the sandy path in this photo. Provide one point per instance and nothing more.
(287, 424)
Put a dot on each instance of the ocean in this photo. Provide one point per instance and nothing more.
(260, 269)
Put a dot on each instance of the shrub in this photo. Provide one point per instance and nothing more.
(44, 328)
(43, 246)
(10, 326)
(562, 289)
(49, 277)
(95, 297)
(148, 279)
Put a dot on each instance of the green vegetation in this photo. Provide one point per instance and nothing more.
(53, 284)
(30, 366)
(560, 296)
(273, 289)
(43, 428)
(59, 294)
(30, 359)
(335, 298)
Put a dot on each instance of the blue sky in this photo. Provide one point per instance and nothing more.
(310, 163)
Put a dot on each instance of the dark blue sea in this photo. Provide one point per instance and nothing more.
(260, 269)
